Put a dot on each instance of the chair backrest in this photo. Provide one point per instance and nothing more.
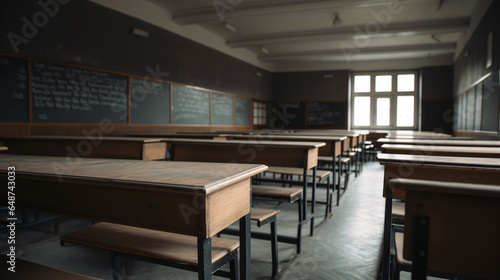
(453, 227)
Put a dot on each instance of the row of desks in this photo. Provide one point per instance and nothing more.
(83, 179)
(440, 160)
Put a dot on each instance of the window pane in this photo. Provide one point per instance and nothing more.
(362, 83)
(406, 82)
(383, 83)
(362, 111)
(383, 111)
(405, 111)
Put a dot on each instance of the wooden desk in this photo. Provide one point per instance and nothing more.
(452, 151)
(436, 168)
(450, 142)
(95, 147)
(190, 135)
(435, 137)
(334, 147)
(198, 199)
(273, 153)
(298, 154)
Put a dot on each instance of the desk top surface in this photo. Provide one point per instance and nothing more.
(290, 144)
(204, 177)
(304, 138)
(439, 160)
(472, 143)
(79, 138)
(449, 149)
(430, 136)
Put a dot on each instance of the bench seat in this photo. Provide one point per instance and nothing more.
(159, 247)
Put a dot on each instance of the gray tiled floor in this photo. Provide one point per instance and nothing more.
(346, 246)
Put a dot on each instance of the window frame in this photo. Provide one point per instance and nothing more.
(392, 95)
(260, 107)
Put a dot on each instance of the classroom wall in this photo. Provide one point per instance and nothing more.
(86, 34)
(437, 99)
(476, 86)
(300, 90)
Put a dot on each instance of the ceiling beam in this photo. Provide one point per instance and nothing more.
(348, 53)
(242, 9)
(347, 33)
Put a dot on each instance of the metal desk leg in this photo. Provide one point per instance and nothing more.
(245, 255)
(204, 258)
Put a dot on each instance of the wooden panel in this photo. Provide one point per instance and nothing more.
(154, 151)
(475, 251)
(97, 147)
(464, 174)
(239, 153)
(236, 198)
(485, 152)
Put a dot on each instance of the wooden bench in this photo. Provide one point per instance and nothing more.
(321, 175)
(29, 270)
(344, 170)
(290, 195)
(450, 228)
(164, 248)
(264, 217)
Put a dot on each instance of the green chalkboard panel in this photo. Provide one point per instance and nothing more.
(149, 101)
(242, 111)
(14, 106)
(222, 109)
(74, 95)
(190, 105)
(327, 113)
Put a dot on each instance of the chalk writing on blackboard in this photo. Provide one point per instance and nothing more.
(190, 105)
(68, 94)
(150, 101)
(222, 109)
(14, 90)
(242, 111)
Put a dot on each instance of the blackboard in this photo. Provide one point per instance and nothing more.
(222, 109)
(14, 106)
(327, 113)
(149, 101)
(75, 95)
(190, 105)
(242, 112)
(288, 115)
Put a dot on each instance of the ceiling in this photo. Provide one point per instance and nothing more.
(288, 33)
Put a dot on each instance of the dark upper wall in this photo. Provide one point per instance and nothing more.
(471, 63)
(332, 92)
(470, 67)
(311, 86)
(437, 98)
(84, 33)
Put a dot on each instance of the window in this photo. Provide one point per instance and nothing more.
(385, 100)
(259, 113)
